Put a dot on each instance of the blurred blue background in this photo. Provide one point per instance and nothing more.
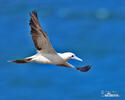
(92, 29)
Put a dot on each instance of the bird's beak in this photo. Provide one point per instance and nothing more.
(77, 58)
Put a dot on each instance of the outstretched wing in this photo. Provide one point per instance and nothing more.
(66, 64)
(82, 69)
(39, 37)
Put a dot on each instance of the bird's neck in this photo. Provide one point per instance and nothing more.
(63, 56)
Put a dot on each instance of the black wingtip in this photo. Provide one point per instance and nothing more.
(84, 69)
(34, 12)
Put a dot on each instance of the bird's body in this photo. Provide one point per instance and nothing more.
(45, 52)
(48, 58)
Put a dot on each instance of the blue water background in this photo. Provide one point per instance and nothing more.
(92, 29)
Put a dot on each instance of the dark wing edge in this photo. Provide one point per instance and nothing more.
(34, 23)
(82, 69)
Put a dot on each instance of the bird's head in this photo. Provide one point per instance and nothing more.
(69, 55)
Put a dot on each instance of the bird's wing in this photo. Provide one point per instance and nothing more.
(66, 64)
(82, 69)
(39, 37)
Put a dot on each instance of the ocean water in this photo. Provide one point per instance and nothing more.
(93, 30)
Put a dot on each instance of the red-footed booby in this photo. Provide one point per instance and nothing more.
(45, 52)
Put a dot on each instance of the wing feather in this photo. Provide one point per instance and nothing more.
(39, 37)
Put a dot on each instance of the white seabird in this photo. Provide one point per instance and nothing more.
(45, 52)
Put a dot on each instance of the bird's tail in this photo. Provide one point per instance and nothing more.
(84, 69)
(22, 60)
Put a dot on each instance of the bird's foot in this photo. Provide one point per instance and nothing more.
(84, 69)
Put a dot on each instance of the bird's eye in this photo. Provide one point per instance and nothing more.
(72, 56)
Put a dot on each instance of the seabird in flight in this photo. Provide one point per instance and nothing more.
(45, 52)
